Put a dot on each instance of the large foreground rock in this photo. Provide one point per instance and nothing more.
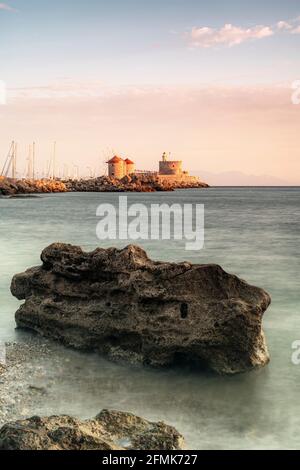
(122, 304)
(110, 430)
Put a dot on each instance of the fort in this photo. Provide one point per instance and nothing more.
(169, 170)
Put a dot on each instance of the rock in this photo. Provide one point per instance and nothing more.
(109, 430)
(123, 304)
(34, 388)
(13, 187)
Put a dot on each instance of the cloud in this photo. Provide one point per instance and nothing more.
(68, 94)
(284, 25)
(4, 6)
(296, 30)
(228, 35)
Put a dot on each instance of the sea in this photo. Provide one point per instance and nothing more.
(252, 232)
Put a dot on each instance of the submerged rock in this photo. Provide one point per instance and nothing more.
(109, 430)
(123, 304)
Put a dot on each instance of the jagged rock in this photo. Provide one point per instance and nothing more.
(122, 304)
(109, 430)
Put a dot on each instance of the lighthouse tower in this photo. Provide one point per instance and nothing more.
(170, 167)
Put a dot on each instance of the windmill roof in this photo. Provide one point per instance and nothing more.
(115, 159)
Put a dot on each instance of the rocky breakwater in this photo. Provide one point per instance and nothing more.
(11, 187)
(134, 183)
(110, 430)
(107, 184)
(126, 306)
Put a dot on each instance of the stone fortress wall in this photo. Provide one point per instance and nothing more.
(170, 167)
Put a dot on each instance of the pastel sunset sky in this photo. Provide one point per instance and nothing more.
(209, 81)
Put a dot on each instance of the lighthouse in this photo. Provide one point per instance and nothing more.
(170, 167)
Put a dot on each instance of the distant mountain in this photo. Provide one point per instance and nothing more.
(237, 178)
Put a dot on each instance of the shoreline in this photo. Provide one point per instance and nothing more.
(20, 390)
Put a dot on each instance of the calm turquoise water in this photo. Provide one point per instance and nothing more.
(252, 232)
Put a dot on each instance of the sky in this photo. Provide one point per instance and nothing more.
(210, 82)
